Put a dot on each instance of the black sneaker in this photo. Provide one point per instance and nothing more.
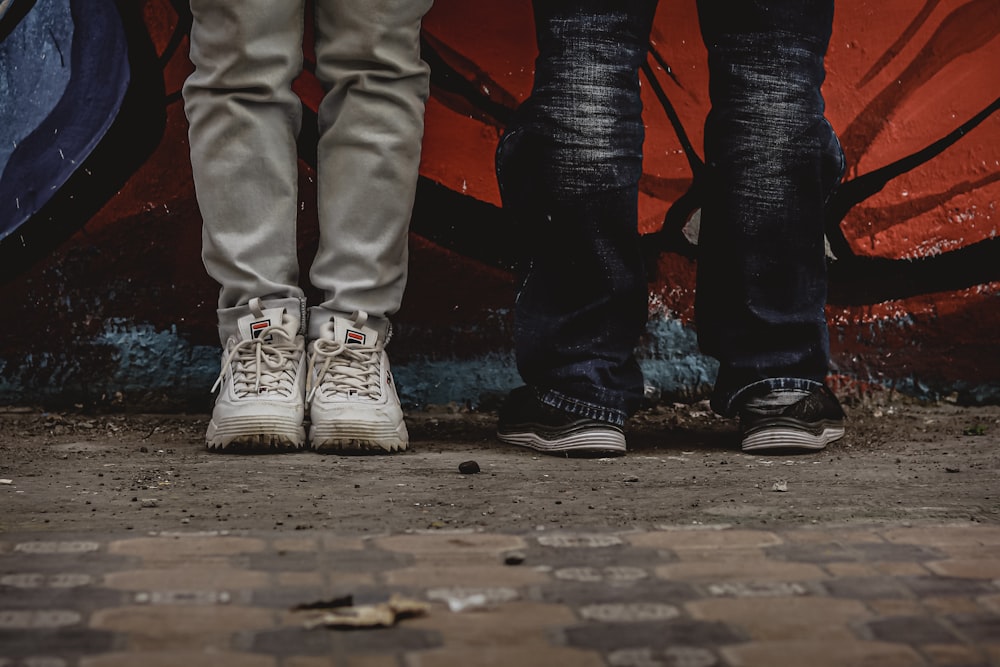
(526, 421)
(769, 423)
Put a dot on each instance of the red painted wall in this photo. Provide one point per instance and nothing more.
(901, 76)
(914, 291)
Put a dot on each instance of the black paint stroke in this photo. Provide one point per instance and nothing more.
(904, 38)
(854, 279)
(126, 146)
(12, 17)
(479, 230)
(858, 280)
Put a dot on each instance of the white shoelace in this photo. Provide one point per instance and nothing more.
(263, 367)
(347, 370)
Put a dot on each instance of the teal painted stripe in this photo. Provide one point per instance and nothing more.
(163, 370)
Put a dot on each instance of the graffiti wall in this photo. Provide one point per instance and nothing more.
(108, 303)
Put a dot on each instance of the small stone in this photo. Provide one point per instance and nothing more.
(513, 558)
(468, 467)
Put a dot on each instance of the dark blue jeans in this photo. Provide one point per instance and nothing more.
(569, 166)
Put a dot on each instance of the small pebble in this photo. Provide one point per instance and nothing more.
(514, 558)
(468, 467)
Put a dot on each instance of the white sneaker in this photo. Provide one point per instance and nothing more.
(353, 402)
(260, 404)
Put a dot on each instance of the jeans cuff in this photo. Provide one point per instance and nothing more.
(575, 406)
(728, 404)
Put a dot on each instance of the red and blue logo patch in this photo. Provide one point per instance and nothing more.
(354, 337)
(257, 327)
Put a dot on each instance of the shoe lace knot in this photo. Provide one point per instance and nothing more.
(263, 365)
(339, 369)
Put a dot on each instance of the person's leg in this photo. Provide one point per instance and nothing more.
(772, 161)
(371, 124)
(568, 167)
(243, 120)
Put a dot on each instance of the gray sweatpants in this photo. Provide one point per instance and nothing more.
(244, 121)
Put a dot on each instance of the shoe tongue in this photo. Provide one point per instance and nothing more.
(252, 325)
(347, 332)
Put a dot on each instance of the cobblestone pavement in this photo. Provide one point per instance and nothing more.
(923, 594)
(123, 543)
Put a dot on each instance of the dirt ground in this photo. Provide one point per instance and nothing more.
(901, 462)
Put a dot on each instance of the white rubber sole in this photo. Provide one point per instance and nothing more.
(588, 442)
(255, 433)
(358, 437)
(785, 438)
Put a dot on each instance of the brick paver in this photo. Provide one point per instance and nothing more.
(926, 596)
